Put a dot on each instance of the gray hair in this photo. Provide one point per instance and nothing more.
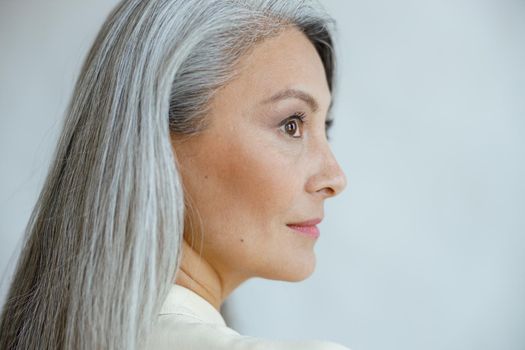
(103, 242)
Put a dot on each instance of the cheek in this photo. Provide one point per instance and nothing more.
(245, 191)
(240, 182)
(259, 182)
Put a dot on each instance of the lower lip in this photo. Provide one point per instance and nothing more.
(310, 231)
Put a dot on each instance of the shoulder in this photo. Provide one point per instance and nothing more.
(188, 321)
(177, 331)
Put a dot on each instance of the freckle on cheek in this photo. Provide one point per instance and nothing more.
(242, 239)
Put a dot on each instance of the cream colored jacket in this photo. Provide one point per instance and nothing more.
(189, 322)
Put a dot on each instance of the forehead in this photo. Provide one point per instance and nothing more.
(286, 61)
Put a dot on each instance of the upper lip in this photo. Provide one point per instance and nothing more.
(312, 222)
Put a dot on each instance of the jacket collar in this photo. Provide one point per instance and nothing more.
(183, 301)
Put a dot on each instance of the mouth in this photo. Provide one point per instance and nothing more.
(307, 228)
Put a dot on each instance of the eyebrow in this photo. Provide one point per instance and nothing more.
(294, 93)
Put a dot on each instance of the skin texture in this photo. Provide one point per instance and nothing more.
(247, 176)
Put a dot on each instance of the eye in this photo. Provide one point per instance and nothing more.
(328, 126)
(292, 125)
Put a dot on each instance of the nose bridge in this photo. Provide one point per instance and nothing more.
(329, 177)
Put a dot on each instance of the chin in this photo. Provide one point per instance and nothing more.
(292, 271)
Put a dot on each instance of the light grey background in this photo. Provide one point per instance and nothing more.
(426, 247)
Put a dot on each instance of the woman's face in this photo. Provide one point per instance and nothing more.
(249, 175)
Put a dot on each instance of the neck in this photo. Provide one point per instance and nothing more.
(199, 275)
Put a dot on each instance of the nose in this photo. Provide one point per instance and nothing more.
(329, 180)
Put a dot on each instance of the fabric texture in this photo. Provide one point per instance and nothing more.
(187, 321)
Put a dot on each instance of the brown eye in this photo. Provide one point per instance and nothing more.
(291, 125)
(291, 128)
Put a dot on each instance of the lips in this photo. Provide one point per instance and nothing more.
(307, 227)
(312, 222)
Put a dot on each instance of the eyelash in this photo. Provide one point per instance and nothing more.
(302, 117)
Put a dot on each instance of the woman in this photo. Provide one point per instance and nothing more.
(194, 156)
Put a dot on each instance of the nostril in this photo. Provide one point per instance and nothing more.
(328, 191)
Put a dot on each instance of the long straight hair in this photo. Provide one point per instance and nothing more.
(103, 242)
